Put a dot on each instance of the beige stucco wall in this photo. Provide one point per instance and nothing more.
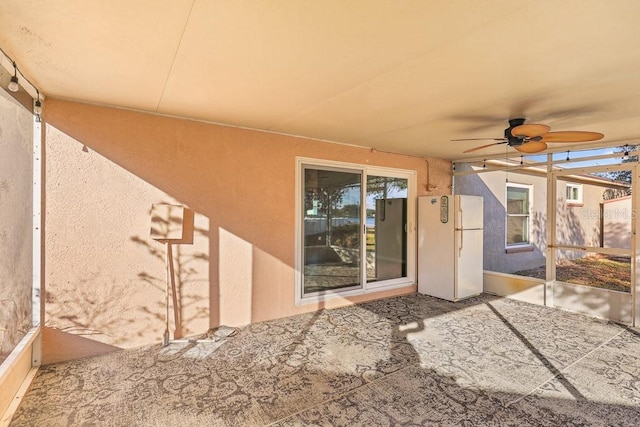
(617, 216)
(105, 275)
(16, 224)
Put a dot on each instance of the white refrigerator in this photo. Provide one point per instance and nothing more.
(450, 239)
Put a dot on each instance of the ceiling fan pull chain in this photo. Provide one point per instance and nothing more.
(568, 159)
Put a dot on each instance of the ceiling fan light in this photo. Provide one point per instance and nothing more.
(13, 84)
(532, 147)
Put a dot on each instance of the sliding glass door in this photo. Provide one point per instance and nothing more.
(353, 229)
(332, 229)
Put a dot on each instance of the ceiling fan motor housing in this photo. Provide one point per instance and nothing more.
(514, 141)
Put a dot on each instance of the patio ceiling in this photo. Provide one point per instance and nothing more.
(404, 76)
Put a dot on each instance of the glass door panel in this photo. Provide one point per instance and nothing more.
(386, 222)
(332, 230)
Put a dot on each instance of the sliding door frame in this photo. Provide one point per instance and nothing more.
(365, 287)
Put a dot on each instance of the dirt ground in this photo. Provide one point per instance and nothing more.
(599, 271)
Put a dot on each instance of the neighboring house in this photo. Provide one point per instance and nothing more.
(616, 223)
(515, 215)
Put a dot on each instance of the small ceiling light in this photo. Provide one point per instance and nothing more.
(13, 84)
(37, 108)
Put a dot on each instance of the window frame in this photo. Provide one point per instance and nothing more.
(510, 246)
(572, 201)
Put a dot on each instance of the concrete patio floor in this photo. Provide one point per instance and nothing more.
(411, 360)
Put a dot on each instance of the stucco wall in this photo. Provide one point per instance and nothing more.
(578, 224)
(617, 215)
(16, 213)
(105, 275)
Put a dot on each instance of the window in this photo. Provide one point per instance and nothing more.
(574, 193)
(353, 228)
(518, 215)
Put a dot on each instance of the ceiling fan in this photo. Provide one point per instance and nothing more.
(533, 138)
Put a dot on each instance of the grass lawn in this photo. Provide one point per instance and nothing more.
(599, 271)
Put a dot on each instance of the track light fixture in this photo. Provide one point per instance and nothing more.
(13, 84)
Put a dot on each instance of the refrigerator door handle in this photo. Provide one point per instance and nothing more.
(459, 232)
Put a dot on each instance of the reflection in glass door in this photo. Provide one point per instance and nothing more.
(332, 229)
(386, 228)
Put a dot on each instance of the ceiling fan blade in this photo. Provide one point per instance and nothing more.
(530, 131)
(483, 146)
(571, 136)
(479, 139)
(532, 147)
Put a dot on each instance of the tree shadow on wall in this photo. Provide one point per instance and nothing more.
(570, 228)
(539, 230)
(190, 269)
(617, 235)
(88, 308)
(15, 322)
